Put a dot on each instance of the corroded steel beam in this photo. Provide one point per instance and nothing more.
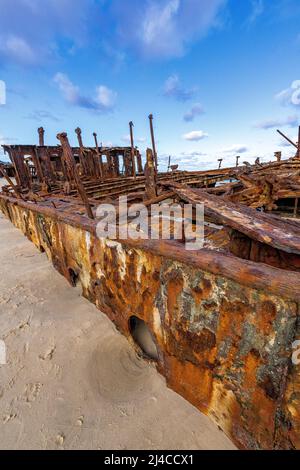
(99, 156)
(153, 141)
(72, 170)
(150, 174)
(287, 138)
(132, 150)
(41, 133)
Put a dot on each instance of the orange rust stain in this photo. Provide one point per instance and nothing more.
(192, 382)
(174, 289)
(265, 315)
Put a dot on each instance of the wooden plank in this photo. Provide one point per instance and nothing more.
(256, 225)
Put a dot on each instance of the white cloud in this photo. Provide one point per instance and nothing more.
(174, 89)
(103, 101)
(258, 7)
(186, 161)
(195, 153)
(291, 95)
(195, 136)
(236, 148)
(196, 110)
(153, 28)
(159, 21)
(40, 114)
(17, 49)
(285, 143)
(106, 97)
(6, 140)
(68, 89)
(290, 121)
(2, 93)
(164, 28)
(107, 143)
(31, 30)
(138, 140)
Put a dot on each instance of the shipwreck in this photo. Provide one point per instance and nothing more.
(223, 320)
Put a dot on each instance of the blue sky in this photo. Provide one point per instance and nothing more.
(219, 75)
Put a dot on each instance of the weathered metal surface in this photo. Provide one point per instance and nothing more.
(8, 168)
(223, 318)
(224, 335)
(263, 228)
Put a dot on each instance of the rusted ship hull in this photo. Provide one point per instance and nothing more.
(223, 327)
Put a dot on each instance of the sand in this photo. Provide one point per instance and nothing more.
(71, 380)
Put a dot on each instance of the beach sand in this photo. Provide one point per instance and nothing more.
(71, 380)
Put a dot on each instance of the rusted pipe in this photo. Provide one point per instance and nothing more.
(71, 166)
(150, 174)
(79, 137)
(132, 149)
(99, 155)
(153, 141)
(41, 132)
(278, 156)
(286, 138)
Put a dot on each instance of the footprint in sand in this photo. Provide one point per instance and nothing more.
(48, 355)
(32, 391)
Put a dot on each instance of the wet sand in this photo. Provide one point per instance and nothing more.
(71, 380)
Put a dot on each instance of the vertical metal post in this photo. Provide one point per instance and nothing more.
(41, 132)
(132, 149)
(150, 175)
(169, 164)
(153, 141)
(83, 162)
(79, 137)
(99, 155)
(72, 170)
(278, 156)
(37, 163)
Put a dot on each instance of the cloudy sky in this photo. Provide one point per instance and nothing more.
(219, 76)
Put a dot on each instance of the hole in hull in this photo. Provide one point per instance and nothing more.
(143, 338)
(73, 277)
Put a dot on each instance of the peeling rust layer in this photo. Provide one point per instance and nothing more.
(223, 327)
